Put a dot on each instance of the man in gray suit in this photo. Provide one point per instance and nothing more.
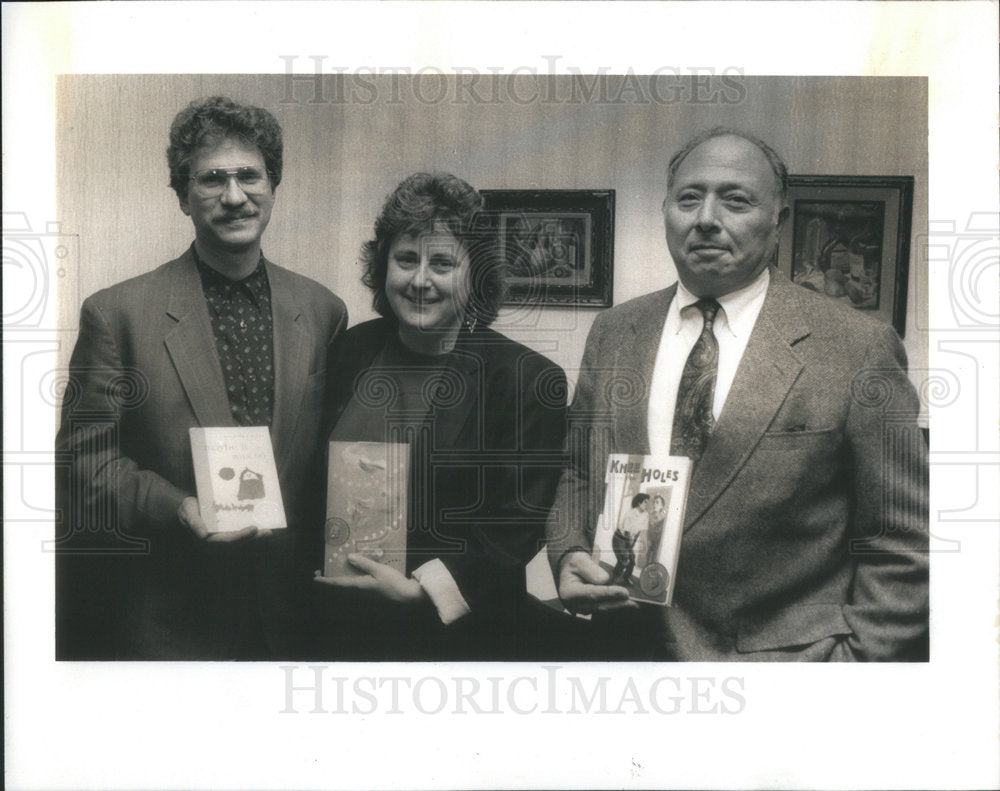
(218, 337)
(805, 532)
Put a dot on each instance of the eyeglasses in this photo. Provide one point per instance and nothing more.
(210, 183)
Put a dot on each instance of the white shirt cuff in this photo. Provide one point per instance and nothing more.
(438, 583)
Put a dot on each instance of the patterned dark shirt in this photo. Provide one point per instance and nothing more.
(240, 311)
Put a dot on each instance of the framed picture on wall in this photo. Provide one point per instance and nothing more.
(559, 244)
(848, 237)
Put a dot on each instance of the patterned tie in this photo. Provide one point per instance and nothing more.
(693, 420)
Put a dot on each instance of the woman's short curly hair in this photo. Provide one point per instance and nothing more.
(208, 121)
(425, 201)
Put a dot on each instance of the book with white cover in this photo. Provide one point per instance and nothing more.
(237, 478)
(638, 535)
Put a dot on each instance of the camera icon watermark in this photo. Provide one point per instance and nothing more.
(35, 264)
(968, 260)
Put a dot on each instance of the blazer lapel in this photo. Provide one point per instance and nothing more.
(292, 351)
(764, 377)
(467, 364)
(355, 353)
(636, 373)
(191, 345)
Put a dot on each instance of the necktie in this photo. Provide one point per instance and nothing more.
(693, 420)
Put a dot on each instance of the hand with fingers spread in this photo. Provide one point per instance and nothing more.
(583, 586)
(380, 579)
(189, 515)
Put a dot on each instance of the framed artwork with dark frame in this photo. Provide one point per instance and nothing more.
(848, 237)
(559, 245)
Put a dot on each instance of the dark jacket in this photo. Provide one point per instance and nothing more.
(480, 492)
(132, 581)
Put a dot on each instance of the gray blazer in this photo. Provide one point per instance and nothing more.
(143, 371)
(806, 529)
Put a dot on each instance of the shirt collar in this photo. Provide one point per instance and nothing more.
(738, 307)
(210, 278)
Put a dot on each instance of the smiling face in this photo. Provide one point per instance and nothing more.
(232, 221)
(427, 285)
(723, 214)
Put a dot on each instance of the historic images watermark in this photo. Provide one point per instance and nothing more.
(553, 83)
(549, 689)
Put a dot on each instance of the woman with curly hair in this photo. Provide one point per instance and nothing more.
(484, 419)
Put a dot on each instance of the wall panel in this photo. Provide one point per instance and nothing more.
(347, 147)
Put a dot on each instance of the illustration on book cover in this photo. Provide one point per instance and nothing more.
(237, 478)
(638, 535)
(366, 505)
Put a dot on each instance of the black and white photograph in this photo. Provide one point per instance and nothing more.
(317, 359)
(498, 450)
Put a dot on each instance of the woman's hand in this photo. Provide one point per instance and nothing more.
(382, 580)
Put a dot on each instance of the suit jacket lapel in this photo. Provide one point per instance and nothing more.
(355, 353)
(640, 349)
(292, 351)
(467, 365)
(765, 375)
(191, 345)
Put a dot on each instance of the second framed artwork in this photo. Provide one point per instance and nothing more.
(558, 244)
(848, 237)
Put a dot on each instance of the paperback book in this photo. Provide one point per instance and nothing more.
(638, 535)
(366, 505)
(237, 478)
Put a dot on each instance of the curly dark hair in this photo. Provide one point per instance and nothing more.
(208, 121)
(420, 203)
(639, 499)
(774, 159)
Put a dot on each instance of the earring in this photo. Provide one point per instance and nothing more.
(470, 323)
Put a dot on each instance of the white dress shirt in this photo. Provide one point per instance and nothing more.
(732, 328)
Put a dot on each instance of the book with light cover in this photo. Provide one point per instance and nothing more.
(638, 535)
(237, 478)
(366, 505)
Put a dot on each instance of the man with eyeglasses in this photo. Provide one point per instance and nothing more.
(218, 337)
